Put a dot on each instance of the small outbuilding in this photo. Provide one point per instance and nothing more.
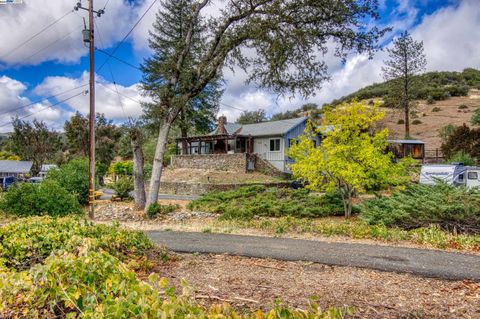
(17, 169)
(404, 148)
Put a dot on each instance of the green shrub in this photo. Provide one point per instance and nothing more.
(30, 241)
(416, 122)
(156, 209)
(462, 157)
(436, 109)
(121, 168)
(430, 100)
(401, 121)
(123, 186)
(449, 207)
(73, 176)
(46, 198)
(462, 107)
(247, 202)
(476, 117)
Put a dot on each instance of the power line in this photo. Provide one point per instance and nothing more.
(127, 35)
(35, 35)
(125, 96)
(232, 107)
(44, 99)
(46, 108)
(116, 58)
(49, 45)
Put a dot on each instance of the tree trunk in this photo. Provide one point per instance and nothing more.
(183, 131)
(347, 195)
(158, 163)
(407, 120)
(138, 175)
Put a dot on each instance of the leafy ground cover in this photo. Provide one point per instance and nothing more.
(70, 268)
(247, 202)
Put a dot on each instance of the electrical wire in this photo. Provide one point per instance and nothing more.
(49, 45)
(127, 35)
(35, 35)
(118, 59)
(44, 99)
(46, 108)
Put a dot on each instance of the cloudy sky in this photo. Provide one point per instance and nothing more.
(46, 77)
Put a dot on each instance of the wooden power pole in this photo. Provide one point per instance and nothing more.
(88, 37)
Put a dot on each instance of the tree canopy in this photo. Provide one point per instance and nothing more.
(252, 117)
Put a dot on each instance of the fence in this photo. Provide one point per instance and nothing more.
(434, 156)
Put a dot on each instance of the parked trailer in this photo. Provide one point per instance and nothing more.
(452, 174)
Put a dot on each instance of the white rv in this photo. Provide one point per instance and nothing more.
(452, 174)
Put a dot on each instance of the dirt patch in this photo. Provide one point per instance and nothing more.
(252, 283)
(448, 113)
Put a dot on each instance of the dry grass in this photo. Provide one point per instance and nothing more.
(433, 121)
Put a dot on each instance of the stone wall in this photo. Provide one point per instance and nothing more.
(182, 188)
(221, 162)
(265, 167)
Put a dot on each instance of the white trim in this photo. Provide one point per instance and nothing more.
(279, 144)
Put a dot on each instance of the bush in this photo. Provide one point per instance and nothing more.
(436, 109)
(451, 208)
(121, 168)
(476, 117)
(462, 107)
(401, 121)
(123, 187)
(430, 100)
(46, 198)
(157, 209)
(462, 157)
(247, 202)
(73, 176)
(416, 122)
(30, 241)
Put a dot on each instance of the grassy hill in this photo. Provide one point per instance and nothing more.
(434, 86)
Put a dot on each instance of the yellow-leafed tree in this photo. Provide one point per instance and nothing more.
(352, 155)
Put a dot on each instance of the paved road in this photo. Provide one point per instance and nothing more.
(421, 262)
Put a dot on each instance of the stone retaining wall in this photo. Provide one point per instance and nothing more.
(182, 188)
(221, 162)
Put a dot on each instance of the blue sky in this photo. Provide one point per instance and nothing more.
(446, 27)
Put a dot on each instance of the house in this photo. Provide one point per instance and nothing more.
(267, 140)
(404, 148)
(45, 169)
(17, 169)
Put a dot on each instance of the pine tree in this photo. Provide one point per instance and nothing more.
(406, 60)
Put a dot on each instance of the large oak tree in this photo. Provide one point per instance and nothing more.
(279, 43)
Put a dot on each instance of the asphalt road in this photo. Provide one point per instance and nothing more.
(423, 262)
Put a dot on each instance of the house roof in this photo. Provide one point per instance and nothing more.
(263, 129)
(22, 167)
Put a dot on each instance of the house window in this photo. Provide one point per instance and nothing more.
(472, 175)
(275, 145)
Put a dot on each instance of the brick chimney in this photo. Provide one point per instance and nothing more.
(222, 120)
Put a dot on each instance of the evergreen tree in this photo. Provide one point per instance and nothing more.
(251, 117)
(406, 60)
(285, 37)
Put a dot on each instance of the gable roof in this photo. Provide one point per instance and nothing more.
(264, 128)
(22, 167)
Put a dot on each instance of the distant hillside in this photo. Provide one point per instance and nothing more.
(436, 86)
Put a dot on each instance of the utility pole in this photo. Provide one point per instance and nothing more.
(88, 37)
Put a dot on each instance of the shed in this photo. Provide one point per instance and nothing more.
(404, 148)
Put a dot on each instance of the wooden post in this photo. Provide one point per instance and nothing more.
(226, 146)
(199, 147)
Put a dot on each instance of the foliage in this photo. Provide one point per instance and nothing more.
(33, 142)
(29, 241)
(462, 139)
(107, 135)
(406, 59)
(282, 39)
(476, 117)
(4, 155)
(431, 236)
(435, 85)
(73, 176)
(252, 117)
(436, 109)
(70, 268)
(446, 131)
(416, 122)
(462, 157)
(247, 202)
(121, 168)
(123, 187)
(449, 207)
(350, 157)
(156, 209)
(311, 108)
(462, 107)
(48, 197)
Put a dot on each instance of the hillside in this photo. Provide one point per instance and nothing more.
(436, 86)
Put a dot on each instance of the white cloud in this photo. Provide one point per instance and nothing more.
(13, 102)
(115, 106)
